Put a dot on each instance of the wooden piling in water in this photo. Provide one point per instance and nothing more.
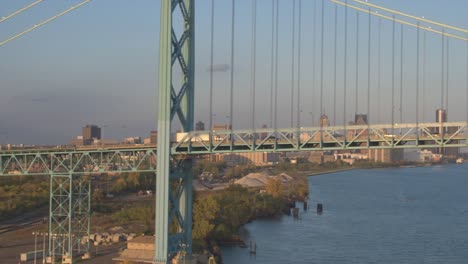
(296, 212)
(319, 208)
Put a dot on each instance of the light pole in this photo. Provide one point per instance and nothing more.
(43, 248)
(53, 249)
(35, 246)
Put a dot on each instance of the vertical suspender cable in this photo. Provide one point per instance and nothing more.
(254, 59)
(299, 60)
(379, 68)
(442, 71)
(393, 74)
(272, 59)
(231, 111)
(335, 64)
(369, 71)
(293, 62)
(441, 129)
(345, 70)
(210, 123)
(401, 73)
(276, 67)
(314, 44)
(424, 78)
(466, 103)
(447, 78)
(322, 62)
(357, 66)
(417, 77)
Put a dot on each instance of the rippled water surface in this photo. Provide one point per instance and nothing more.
(401, 215)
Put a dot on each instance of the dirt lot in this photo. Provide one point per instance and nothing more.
(13, 243)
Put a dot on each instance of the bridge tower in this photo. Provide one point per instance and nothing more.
(173, 220)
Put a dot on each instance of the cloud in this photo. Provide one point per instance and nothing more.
(218, 68)
(35, 98)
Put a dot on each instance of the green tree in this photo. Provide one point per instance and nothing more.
(98, 195)
(274, 187)
(133, 181)
(205, 210)
(120, 185)
(235, 210)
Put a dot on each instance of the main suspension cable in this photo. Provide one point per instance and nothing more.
(400, 21)
(3, 19)
(411, 16)
(44, 22)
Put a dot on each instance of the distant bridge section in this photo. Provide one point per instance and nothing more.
(96, 160)
(387, 136)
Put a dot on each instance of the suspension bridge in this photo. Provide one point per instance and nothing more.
(334, 58)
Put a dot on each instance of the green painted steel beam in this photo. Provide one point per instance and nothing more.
(164, 129)
(188, 108)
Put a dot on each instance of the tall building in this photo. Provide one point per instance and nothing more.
(446, 132)
(154, 137)
(441, 117)
(200, 126)
(91, 132)
(257, 158)
(218, 127)
(386, 155)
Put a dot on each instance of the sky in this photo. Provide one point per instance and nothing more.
(98, 65)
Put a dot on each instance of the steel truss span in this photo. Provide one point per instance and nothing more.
(143, 159)
(425, 135)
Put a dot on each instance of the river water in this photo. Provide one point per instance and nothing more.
(398, 215)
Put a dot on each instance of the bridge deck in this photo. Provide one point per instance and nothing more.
(142, 158)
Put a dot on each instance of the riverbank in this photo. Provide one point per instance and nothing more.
(366, 165)
(363, 208)
(311, 174)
